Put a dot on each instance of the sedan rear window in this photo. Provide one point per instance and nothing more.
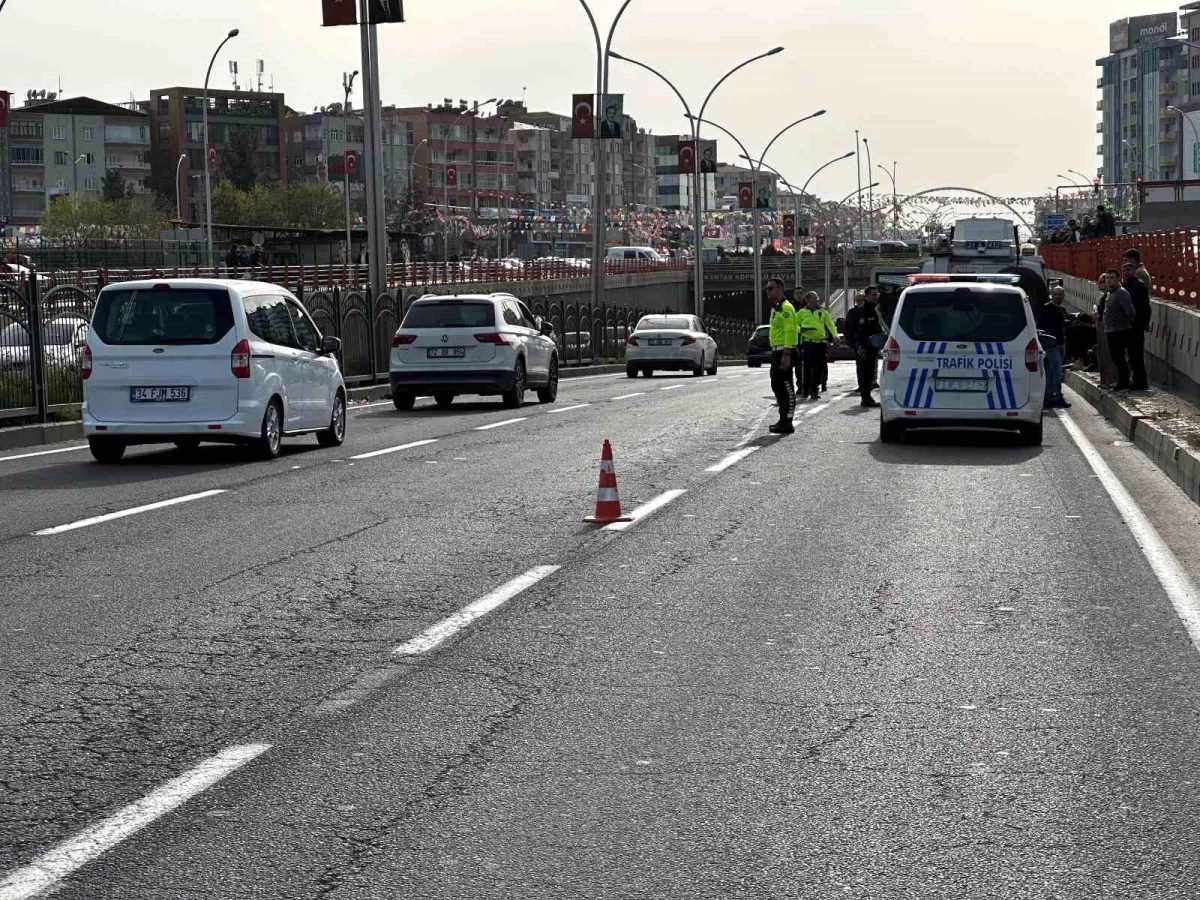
(664, 323)
(177, 315)
(963, 314)
(450, 315)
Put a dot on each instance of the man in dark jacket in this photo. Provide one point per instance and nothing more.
(1106, 225)
(1119, 314)
(1140, 295)
(862, 323)
(1053, 320)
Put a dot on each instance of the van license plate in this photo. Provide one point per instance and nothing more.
(160, 394)
(961, 384)
(446, 352)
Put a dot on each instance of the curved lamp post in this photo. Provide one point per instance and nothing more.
(178, 192)
(207, 173)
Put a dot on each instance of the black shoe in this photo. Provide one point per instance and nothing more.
(785, 428)
(814, 396)
(870, 402)
(1063, 404)
(874, 385)
(774, 429)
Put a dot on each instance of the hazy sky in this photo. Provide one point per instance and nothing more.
(994, 94)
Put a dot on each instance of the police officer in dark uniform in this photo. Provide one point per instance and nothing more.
(862, 323)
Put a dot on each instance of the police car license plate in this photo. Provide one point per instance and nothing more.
(960, 384)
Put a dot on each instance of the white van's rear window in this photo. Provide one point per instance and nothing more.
(962, 314)
(183, 315)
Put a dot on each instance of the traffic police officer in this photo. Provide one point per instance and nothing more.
(816, 330)
(783, 355)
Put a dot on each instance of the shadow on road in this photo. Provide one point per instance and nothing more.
(956, 447)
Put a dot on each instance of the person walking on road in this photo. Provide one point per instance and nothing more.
(861, 325)
(1139, 293)
(816, 330)
(784, 336)
(1119, 316)
(1053, 320)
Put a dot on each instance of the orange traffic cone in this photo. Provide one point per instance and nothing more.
(608, 504)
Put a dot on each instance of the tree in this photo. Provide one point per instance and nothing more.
(113, 186)
(238, 162)
(278, 205)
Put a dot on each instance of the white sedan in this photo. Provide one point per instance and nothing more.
(673, 342)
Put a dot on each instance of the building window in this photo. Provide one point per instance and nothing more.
(298, 161)
(60, 185)
(60, 158)
(58, 132)
(89, 159)
(89, 133)
(112, 162)
(89, 184)
(27, 156)
(1194, 34)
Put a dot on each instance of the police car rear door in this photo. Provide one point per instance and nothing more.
(965, 347)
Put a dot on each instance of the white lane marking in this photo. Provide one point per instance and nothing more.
(816, 409)
(108, 517)
(646, 509)
(501, 424)
(57, 863)
(43, 453)
(450, 626)
(732, 459)
(564, 380)
(627, 396)
(672, 387)
(569, 408)
(1170, 573)
(387, 450)
(381, 403)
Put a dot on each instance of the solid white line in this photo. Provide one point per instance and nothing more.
(43, 453)
(672, 387)
(733, 458)
(646, 509)
(395, 449)
(108, 517)
(380, 403)
(627, 396)
(569, 408)
(565, 380)
(55, 864)
(1170, 573)
(816, 409)
(448, 627)
(501, 424)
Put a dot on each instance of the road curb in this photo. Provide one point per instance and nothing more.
(22, 436)
(1175, 459)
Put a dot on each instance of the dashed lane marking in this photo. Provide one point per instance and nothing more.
(397, 449)
(732, 459)
(51, 867)
(501, 424)
(816, 409)
(569, 408)
(646, 509)
(121, 514)
(628, 396)
(43, 453)
(450, 626)
(672, 387)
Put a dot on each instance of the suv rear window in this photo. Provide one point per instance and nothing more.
(184, 315)
(450, 315)
(963, 314)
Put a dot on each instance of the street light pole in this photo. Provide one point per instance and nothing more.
(858, 164)
(804, 192)
(895, 205)
(178, 191)
(207, 173)
(347, 87)
(828, 246)
(474, 111)
(870, 194)
(412, 160)
(698, 262)
(795, 237)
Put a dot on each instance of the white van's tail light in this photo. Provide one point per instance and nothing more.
(891, 355)
(1033, 354)
(239, 360)
(85, 365)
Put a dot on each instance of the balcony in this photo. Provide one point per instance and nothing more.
(1168, 137)
(1099, 149)
(1168, 161)
(1099, 128)
(1100, 82)
(1168, 89)
(1099, 106)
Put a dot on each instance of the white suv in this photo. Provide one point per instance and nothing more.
(189, 360)
(472, 344)
(963, 350)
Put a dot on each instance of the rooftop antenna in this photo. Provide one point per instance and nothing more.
(523, 90)
(258, 70)
(233, 73)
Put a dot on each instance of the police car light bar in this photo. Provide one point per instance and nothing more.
(989, 278)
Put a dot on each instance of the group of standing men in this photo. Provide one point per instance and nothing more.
(800, 342)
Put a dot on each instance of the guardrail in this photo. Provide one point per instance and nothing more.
(1171, 257)
(43, 329)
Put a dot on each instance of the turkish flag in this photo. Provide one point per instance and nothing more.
(3, 109)
(340, 12)
(789, 225)
(212, 157)
(687, 157)
(451, 176)
(351, 162)
(745, 195)
(583, 122)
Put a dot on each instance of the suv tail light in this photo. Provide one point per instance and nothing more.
(85, 365)
(1033, 355)
(688, 340)
(631, 341)
(492, 337)
(891, 355)
(239, 360)
(400, 340)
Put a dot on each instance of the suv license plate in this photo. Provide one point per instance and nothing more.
(961, 384)
(446, 352)
(160, 394)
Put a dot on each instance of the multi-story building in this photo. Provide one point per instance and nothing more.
(728, 178)
(67, 146)
(534, 159)
(1144, 81)
(640, 186)
(177, 129)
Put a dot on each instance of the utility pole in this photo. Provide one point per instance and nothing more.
(347, 87)
(373, 151)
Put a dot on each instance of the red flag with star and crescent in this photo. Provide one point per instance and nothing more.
(340, 12)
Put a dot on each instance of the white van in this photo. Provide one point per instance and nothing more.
(188, 360)
(626, 253)
(963, 350)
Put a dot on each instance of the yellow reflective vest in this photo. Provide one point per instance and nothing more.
(784, 332)
(816, 324)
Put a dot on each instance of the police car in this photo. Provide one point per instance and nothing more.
(963, 350)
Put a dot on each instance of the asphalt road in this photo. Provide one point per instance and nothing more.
(820, 667)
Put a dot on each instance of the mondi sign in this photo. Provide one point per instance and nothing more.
(1141, 31)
